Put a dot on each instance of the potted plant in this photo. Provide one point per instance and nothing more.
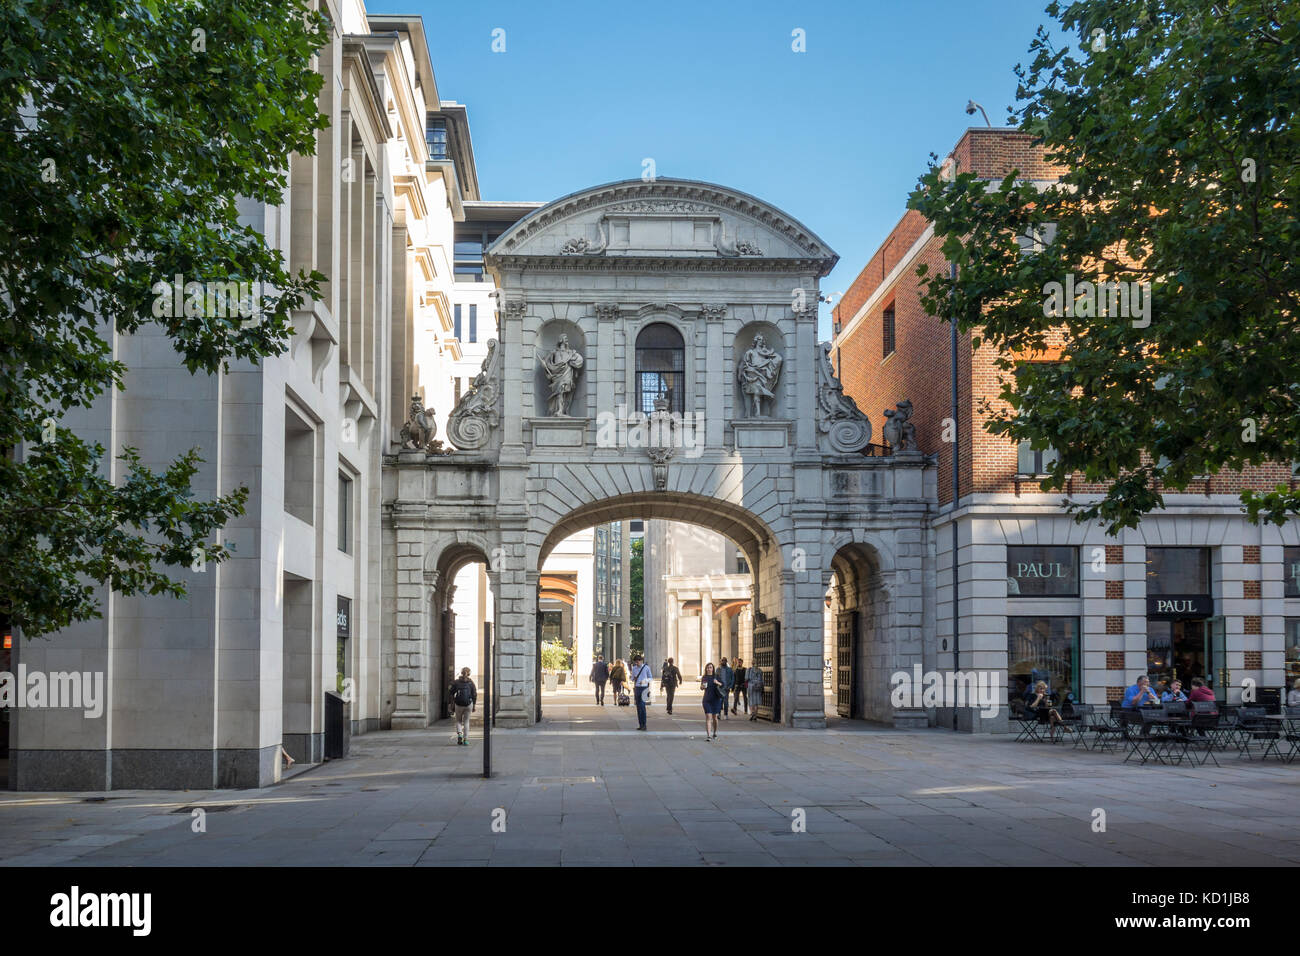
(555, 657)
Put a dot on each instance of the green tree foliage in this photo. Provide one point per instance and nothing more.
(1176, 122)
(636, 600)
(131, 127)
(555, 656)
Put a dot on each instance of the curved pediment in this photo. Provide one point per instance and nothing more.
(668, 219)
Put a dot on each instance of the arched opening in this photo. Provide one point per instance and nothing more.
(855, 623)
(704, 560)
(660, 368)
(461, 602)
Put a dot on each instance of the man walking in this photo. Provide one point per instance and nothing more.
(740, 687)
(728, 677)
(464, 698)
(599, 675)
(669, 681)
(641, 677)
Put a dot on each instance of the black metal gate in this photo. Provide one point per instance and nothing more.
(767, 658)
(846, 625)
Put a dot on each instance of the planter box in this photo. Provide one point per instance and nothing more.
(550, 681)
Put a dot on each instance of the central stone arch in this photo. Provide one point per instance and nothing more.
(752, 435)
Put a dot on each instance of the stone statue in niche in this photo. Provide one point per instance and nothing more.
(899, 432)
(562, 366)
(419, 428)
(758, 371)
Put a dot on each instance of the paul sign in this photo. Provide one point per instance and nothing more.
(1180, 605)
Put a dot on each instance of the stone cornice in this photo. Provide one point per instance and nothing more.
(687, 197)
(657, 264)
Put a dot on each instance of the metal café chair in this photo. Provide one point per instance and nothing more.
(1252, 728)
(1030, 726)
(1154, 737)
(1197, 736)
(1080, 723)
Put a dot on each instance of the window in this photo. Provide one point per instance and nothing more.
(742, 565)
(345, 513)
(1291, 572)
(342, 631)
(602, 570)
(473, 323)
(1042, 571)
(436, 137)
(1046, 649)
(1034, 462)
(456, 322)
(887, 331)
(660, 368)
(615, 569)
(1178, 571)
(299, 467)
(1292, 662)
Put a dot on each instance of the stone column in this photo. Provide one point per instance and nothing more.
(714, 385)
(803, 371)
(415, 608)
(516, 634)
(708, 649)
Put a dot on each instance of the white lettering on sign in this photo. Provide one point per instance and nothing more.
(1174, 607)
(1033, 569)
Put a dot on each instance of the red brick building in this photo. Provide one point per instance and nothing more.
(1104, 616)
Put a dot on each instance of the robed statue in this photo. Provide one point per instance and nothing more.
(561, 366)
(757, 372)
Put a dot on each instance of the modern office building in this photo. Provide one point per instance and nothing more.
(204, 692)
(1021, 588)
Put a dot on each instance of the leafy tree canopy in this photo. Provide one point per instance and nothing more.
(131, 129)
(1175, 121)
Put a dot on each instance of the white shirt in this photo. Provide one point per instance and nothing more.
(642, 677)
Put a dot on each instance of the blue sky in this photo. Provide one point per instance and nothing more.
(836, 136)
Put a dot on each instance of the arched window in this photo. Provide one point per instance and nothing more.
(660, 368)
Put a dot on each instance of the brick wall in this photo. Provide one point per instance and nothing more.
(920, 367)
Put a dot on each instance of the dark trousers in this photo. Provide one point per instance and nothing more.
(600, 692)
(639, 694)
(741, 698)
(670, 689)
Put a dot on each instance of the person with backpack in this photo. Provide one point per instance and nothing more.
(599, 675)
(617, 677)
(464, 698)
(669, 681)
(727, 676)
(741, 690)
(754, 683)
(641, 677)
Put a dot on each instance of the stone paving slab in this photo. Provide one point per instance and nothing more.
(869, 796)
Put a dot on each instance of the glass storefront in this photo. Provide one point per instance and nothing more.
(1046, 649)
(1178, 650)
(1180, 640)
(1178, 571)
(1291, 572)
(1292, 662)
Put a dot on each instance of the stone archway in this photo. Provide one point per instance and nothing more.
(789, 478)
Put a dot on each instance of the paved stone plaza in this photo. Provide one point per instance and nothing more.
(872, 797)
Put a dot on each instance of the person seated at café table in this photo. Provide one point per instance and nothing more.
(1200, 691)
(1140, 694)
(1293, 695)
(1039, 701)
(1174, 693)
